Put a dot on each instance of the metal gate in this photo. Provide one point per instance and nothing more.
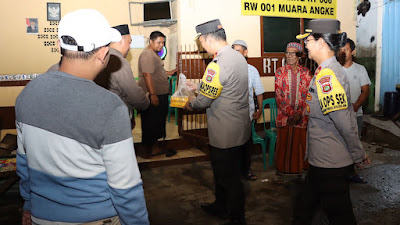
(192, 62)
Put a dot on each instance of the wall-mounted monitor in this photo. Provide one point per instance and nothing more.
(156, 11)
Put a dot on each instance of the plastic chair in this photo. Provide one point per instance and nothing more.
(257, 139)
(270, 134)
(173, 80)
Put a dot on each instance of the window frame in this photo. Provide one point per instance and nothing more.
(275, 54)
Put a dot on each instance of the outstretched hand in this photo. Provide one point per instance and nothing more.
(192, 86)
(366, 161)
(187, 106)
(26, 218)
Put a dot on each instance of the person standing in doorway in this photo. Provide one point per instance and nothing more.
(291, 87)
(154, 80)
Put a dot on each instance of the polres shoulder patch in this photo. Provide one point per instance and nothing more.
(326, 83)
(210, 73)
(210, 85)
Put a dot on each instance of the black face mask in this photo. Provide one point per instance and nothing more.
(341, 58)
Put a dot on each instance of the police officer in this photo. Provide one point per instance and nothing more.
(224, 95)
(333, 145)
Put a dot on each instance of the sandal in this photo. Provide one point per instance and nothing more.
(357, 179)
(158, 153)
(251, 176)
(278, 179)
(170, 152)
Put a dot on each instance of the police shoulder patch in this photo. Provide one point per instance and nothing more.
(211, 86)
(331, 94)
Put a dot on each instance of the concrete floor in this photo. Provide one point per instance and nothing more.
(174, 193)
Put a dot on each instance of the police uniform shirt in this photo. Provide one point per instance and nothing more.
(227, 113)
(332, 140)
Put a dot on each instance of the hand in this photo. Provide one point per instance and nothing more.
(26, 217)
(154, 100)
(187, 106)
(366, 161)
(297, 117)
(356, 107)
(170, 73)
(256, 115)
(192, 86)
(290, 121)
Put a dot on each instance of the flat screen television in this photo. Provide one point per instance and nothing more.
(157, 11)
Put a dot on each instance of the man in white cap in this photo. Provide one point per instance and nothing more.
(255, 87)
(75, 155)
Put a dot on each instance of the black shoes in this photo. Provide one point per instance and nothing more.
(215, 210)
(235, 222)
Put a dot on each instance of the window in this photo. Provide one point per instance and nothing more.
(278, 31)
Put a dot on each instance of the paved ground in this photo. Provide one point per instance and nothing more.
(174, 193)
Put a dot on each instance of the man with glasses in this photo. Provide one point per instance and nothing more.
(291, 86)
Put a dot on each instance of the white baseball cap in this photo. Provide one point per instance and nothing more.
(89, 28)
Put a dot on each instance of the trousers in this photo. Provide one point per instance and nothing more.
(327, 189)
(227, 168)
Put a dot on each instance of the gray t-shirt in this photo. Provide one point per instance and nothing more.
(150, 62)
(358, 77)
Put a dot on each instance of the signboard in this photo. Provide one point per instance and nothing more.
(267, 65)
(313, 9)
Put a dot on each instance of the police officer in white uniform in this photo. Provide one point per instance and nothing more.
(224, 95)
(333, 146)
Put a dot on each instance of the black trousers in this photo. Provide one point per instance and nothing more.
(327, 188)
(227, 168)
(153, 121)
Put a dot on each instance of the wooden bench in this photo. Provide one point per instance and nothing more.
(7, 121)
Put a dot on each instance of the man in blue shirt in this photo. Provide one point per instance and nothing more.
(255, 86)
